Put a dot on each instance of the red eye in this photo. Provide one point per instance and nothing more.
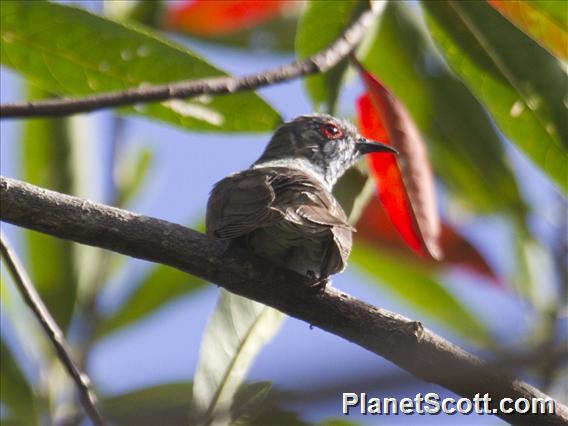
(331, 131)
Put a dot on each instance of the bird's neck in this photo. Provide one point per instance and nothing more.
(326, 177)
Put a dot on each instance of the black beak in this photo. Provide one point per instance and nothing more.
(366, 146)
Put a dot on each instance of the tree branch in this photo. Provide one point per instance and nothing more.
(320, 62)
(400, 340)
(33, 300)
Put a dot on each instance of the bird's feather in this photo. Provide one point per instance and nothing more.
(288, 204)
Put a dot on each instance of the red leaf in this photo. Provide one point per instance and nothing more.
(385, 171)
(375, 228)
(220, 17)
(405, 184)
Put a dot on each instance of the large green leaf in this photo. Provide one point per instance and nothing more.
(160, 286)
(166, 404)
(419, 289)
(17, 395)
(237, 331)
(545, 21)
(321, 24)
(520, 83)
(46, 161)
(69, 51)
(464, 146)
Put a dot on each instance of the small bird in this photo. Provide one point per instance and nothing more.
(282, 208)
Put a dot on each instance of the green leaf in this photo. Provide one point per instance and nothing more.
(166, 404)
(159, 287)
(46, 161)
(335, 421)
(146, 12)
(544, 21)
(520, 83)
(416, 286)
(278, 417)
(27, 331)
(69, 51)
(17, 394)
(321, 24)
(249, 401)
(131, 174)
(464, 147)
(237, 331)
(354, 190)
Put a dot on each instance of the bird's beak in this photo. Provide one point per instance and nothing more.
(366, 146)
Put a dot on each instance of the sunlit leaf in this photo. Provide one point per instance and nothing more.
(322, 23)
(492, 57)
(415, 285)
(146, 12)
(465, 148)
(374, 228)
(406, 183)
(535, 19)
(17, 394)
(69, 51)
(237, 331)
(159, 287)
(46, 162)
(219, 17)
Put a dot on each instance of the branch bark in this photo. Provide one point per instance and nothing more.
(320, 62)
(31, 297)
(398, 339)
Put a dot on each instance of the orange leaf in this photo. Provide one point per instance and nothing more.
(220, 17)
(375, 228)
(531, 20)
(405, 184)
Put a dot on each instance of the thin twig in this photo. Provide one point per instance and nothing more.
(52, 330)
(406, 343)
(320, 62)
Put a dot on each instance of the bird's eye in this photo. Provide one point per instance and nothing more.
(331, 131)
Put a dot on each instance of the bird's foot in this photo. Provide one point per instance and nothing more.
(319, 284)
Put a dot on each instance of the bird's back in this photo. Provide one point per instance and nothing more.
(284, 215)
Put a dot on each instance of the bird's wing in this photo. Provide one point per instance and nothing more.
(257, 198)
(239, 204)
(328, 212)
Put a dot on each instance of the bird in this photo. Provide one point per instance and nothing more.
(282, 208)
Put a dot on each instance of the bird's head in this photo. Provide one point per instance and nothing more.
(323, 145)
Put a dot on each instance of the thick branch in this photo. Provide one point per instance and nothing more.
(320, 62)
(52, 330)
(402, 341)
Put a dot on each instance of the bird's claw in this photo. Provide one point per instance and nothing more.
(319, 284)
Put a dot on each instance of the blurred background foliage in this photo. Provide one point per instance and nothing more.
(485, 82)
